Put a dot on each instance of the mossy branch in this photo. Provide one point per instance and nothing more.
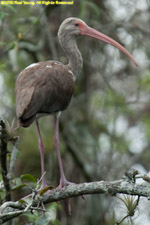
(10, 210)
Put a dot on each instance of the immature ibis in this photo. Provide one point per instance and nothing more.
(47, 87)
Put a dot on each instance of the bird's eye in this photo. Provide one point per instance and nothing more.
(76, 24)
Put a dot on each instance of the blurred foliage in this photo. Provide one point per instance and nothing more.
(106, 129)
(48, 218)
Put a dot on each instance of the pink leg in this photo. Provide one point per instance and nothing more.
(63, 180)
(41, 148)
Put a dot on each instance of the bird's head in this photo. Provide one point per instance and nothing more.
(71, 26)
(74, 27)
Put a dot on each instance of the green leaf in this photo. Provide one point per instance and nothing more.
(11, 45)
(2, 195)
(94, 7)
(44, 220)
(3, 14)
(17, 187)
(36, 20)
(145, 82)
(46, 189)
(2, 67)
(56, 222)
(22, 201)
(11, 7)
(28, 177)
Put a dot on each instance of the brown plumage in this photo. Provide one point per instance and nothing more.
(44, 88)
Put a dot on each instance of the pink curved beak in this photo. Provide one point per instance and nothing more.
(88, 31)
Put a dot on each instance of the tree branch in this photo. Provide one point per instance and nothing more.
(9, 211)
(3, 158)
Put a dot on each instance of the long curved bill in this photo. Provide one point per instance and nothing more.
(88, 31)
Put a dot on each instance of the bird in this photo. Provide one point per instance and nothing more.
(46, 88)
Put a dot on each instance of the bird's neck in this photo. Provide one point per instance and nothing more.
(73, 54)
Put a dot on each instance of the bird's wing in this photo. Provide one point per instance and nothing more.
(23, 98)
(45, 87)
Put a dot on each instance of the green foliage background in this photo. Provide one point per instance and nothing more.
(106, 129)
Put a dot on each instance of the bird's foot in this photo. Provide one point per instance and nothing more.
(63, 183)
